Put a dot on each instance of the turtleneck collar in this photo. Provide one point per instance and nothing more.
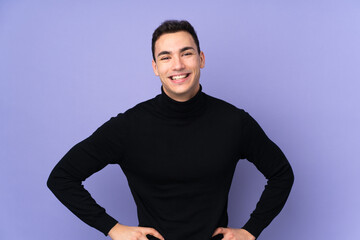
(174, 109)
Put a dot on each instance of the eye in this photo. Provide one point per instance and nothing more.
(165, 58)
(187, 53)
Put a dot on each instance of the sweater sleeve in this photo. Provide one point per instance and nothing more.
(272, 163)
(104, 146)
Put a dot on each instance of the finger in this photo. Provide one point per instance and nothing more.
(218, 231)
(153, 232)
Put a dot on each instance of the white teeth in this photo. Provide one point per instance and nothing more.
(179, 77)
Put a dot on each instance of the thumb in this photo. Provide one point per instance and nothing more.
(218, 231)
(153, 232)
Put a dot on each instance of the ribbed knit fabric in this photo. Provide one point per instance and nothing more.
(179, 159)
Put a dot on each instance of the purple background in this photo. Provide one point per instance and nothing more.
(66, 67)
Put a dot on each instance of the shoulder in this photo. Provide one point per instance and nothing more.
(141, 109)
(131, 112)
(221, 106)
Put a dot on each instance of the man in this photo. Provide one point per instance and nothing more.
(178, 151)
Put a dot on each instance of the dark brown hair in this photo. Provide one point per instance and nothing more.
(172, 26)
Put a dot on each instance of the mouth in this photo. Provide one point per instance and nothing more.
(179, 78)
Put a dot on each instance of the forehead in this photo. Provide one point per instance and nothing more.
(174, 41)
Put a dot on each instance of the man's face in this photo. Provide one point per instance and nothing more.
(178, 65)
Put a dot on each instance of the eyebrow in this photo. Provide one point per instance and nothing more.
(181, 50)
(163, 53)
(186, 48)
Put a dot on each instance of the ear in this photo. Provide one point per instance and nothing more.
(155, 68)
(202, 59)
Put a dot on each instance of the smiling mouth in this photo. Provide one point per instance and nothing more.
(179, 77)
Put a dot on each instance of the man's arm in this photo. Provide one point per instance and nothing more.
(104, 146)
(272, 163)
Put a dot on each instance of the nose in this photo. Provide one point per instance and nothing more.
(178, 64)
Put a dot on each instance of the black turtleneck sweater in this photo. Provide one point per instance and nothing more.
(179, 159)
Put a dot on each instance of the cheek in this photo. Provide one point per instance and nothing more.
(163, 75)
(162, 71)
(195, 64)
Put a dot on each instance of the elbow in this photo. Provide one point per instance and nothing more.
(56, 179)
(61, 180)
(290, 178)
(284, 177)
(51, 181)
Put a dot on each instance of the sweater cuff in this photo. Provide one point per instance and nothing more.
(105, 223)
(255, 227)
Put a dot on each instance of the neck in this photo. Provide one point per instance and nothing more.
(182, 97)
(172, 108)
